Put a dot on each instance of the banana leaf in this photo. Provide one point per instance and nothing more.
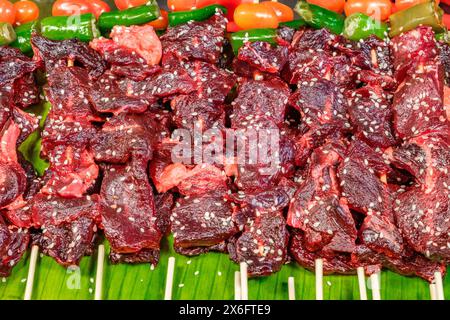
(210, 276)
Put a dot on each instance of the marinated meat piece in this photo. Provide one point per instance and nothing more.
(340, 263)
(167, 83)
(54, 211)
(165, 173)
(130, 136)
(145, 255)
(72, 173)
(423, 217)
(193, 113)
(274, 162)
(54, 54)
(418, 103)
(196, 40)
(362, 188)
(26, 122)
(68, 92)
(203, 179)
(259, 99)
(317, 208)
(107, 96)
(379, 233)
(163, 205)
(263, 57)
(17, 86)
(412, 49)
(13, 181)
(67, 242)
(321, 39)
(133, 52)
(13, 244)
(286, 33)
(411, 264)
(426, 157)
(212, 84)
(128, 209)
(202, 221)
(321, 104)
(59, 134)
(371, 115)
(444, 55)
(262, 243)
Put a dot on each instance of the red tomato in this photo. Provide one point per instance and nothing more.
(125, 4)
(405, 4)
(181, 5)
(377, 9)
(26, 11)
(255, 16)
(446, 2)
(333, 5)
(283, 12)
(162, 22)
(70, 7)
(7, 12)
(447, 101)
(232, 27)
(446, 20)
(98, 7)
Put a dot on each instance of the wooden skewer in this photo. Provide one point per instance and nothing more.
(433, 291)
(439, 286)
(169, 279)
(375, 283)
(244, 281)
(291, 288)
(319, 279)
(31, 271)
(99, 274)
(362, 283)
(237, 285)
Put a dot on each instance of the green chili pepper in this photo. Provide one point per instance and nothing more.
(81, 27)
(318, 17)
(180, 17)
(7, 34)
(359, 26)
(23, 33)
(294, 24)
(426, 14)
(443, 37)
(238, 39)
(132, 16)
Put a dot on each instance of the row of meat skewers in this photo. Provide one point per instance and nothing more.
(240, 280)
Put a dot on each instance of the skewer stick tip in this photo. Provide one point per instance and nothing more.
(319, 278)
(237, 285)
(31, 271)
(291, 288)
(244, 281)
(169, 279)
(375, 284)
(99, 274)
(362, 283)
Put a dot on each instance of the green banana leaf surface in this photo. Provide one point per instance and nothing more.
(210, 276)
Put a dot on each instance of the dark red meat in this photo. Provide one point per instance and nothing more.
(196, 40)
(128, 209)
(13, 243)
(263, 57)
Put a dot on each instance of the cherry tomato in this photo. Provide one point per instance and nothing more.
(26, 11)
(405, 4)
(333, 5)
(125, 4)
(283, 12)
(7, 12)
(255, 16)
(232, 27)
(181, 5)
(162, 22)
(70, 7)
(377, 9)
(98, 7)
(446, 20)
